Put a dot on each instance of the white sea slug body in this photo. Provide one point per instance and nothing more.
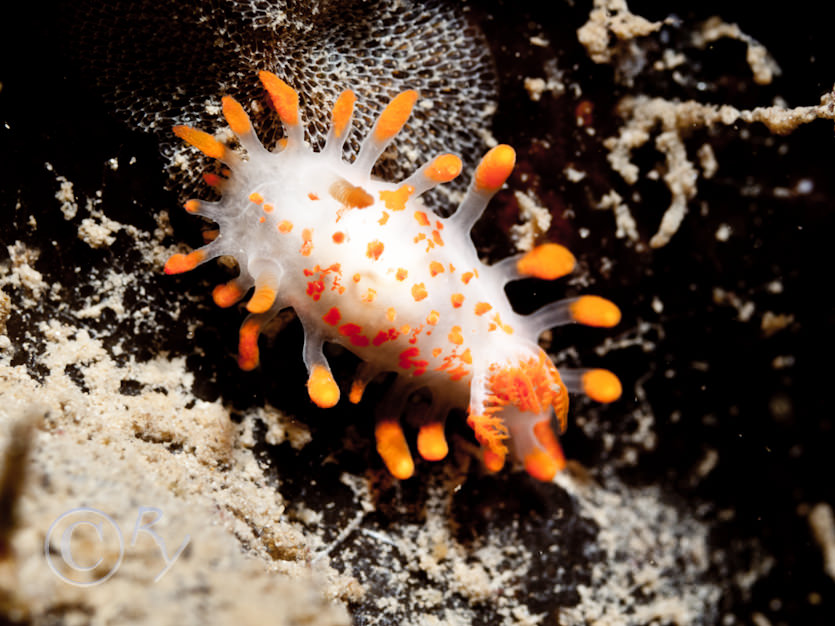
(364, 264)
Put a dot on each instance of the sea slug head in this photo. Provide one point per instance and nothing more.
(513, 403)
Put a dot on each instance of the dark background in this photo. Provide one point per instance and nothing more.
(709, 380)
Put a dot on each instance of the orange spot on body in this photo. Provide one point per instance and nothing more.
(332, 317)
(391, 314)
(401, 274)
(419, 292)
(433, 318)
(396, 200)
(421, 218)
(268, 208)
(256, 198)
(315, 289)
(284, 226)
(467, 357)
(457, 300)
(338, 237)
(435, 268)
(354, 334)
(436, 352)
(307, 242)
(482, 307)
(374, 250)
(385, 218)
(455, 336)
(369, 295)
(466, 277)
(312, 196)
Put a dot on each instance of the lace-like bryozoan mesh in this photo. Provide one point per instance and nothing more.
(166, 62)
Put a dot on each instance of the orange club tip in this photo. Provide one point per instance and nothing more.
(493, 461)
(548, 262)
(227, 295)
(343, 108)
(235, 116)
(494, 168)
(284, 97)
(322, 388)
(391, 445)
(431, 442)
(545, 435)
(595, 311)
(394, 116)
(179, 263)
(203, 141)
(357, 391)
(443, 168)
(602, 386)
(541, 465)
(248, 345)
(261, 300)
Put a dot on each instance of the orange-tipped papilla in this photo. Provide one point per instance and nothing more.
(357, 391)
(493, 461)
(394, 116)
(179, 263)
(262, 299)
(248, 344)
(235, 116)
(201, 140)
(322, 388)
(227, 294)
(541, 465)
(595, 311)
(392, 447)
(494, 168)
(548, 262)
(343, 108)
(443, 168)
(431, 442)
(284, 98)
(601, 385)
(545, 435)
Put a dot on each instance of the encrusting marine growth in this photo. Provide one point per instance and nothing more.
(365, 264)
